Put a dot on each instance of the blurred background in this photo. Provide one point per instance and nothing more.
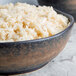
(68, 6)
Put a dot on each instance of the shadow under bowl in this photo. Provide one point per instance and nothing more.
(25, 56)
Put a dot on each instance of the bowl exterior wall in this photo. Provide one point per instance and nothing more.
(24, 57)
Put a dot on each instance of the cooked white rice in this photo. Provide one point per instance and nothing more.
(26, 22)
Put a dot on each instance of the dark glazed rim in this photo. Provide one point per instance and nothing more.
(71, 19)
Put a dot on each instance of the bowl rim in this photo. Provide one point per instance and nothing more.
(71, 19)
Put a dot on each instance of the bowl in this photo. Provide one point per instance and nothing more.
(68, 6)
(26, 56)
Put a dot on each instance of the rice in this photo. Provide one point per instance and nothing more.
(26, 22)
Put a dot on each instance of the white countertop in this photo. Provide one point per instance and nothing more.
(63, 65)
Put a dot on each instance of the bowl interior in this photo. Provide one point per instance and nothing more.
(35, 2)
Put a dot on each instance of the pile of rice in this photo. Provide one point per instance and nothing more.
(26, 22)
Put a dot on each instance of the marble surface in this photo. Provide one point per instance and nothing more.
(63, 65)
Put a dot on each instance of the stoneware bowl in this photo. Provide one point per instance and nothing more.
(26, 56)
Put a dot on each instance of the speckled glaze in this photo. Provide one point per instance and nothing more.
(26, 56)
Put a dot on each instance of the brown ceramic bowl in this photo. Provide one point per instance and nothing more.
(26, 56)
